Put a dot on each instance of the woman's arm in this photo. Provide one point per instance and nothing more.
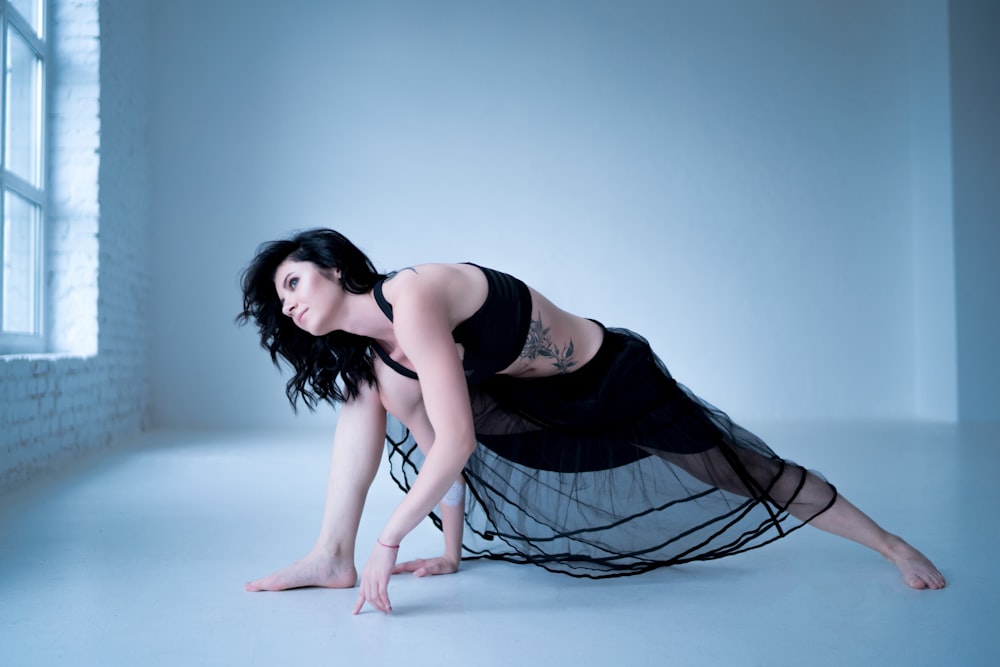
(452, 510)
(423, 330)
(453, 524)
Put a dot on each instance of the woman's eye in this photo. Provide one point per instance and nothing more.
(293, 282)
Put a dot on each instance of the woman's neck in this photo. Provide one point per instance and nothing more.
(362, 316)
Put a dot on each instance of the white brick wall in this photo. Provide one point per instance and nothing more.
(56, 408)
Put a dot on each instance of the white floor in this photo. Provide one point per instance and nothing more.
(137, 557)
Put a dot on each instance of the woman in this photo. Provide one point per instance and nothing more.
(579, 451)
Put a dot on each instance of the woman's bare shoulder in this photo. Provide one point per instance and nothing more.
(461, 287)
(442, 279)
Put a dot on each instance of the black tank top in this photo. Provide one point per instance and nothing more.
(492, 338)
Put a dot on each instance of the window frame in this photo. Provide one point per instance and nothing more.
(10, 17)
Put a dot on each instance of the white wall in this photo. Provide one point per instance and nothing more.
(732, 179)
(975, 56)
(54, 409)
(934, 327)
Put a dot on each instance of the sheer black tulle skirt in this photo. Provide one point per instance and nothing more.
(616, 469)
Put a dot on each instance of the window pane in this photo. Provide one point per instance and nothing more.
(23, 140)
(31, 11)
(20, 264)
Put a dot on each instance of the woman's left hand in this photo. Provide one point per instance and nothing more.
(375, 579)
(422, 567)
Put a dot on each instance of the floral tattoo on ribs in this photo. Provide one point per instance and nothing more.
(539, 344)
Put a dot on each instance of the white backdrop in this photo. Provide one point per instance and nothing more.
(735, 180)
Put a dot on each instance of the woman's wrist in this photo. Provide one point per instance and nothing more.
(387, 545)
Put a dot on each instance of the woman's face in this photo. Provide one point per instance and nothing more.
(308, 296)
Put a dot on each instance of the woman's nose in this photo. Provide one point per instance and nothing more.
(289, 307)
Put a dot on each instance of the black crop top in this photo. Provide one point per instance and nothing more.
(493, 337)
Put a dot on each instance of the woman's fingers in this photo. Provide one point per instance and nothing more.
(379, 601)
(383, 597)
(421, 567)
(375, 593)
(409, 566)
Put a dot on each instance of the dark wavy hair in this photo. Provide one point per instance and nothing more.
(321, 364)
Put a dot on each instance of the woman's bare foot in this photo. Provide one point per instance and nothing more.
(319, 568)
(917, 570)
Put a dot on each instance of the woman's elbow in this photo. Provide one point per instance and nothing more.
(463, 446)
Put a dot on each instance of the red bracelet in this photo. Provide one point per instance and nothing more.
(383, 544)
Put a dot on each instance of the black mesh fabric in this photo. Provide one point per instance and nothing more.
(616, 469)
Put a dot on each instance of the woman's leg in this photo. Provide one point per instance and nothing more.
(357, 448)
(808, 498)
(846, 520)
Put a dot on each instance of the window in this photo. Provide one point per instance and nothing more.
(22, 186)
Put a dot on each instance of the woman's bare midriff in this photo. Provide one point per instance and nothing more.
(558, 342)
